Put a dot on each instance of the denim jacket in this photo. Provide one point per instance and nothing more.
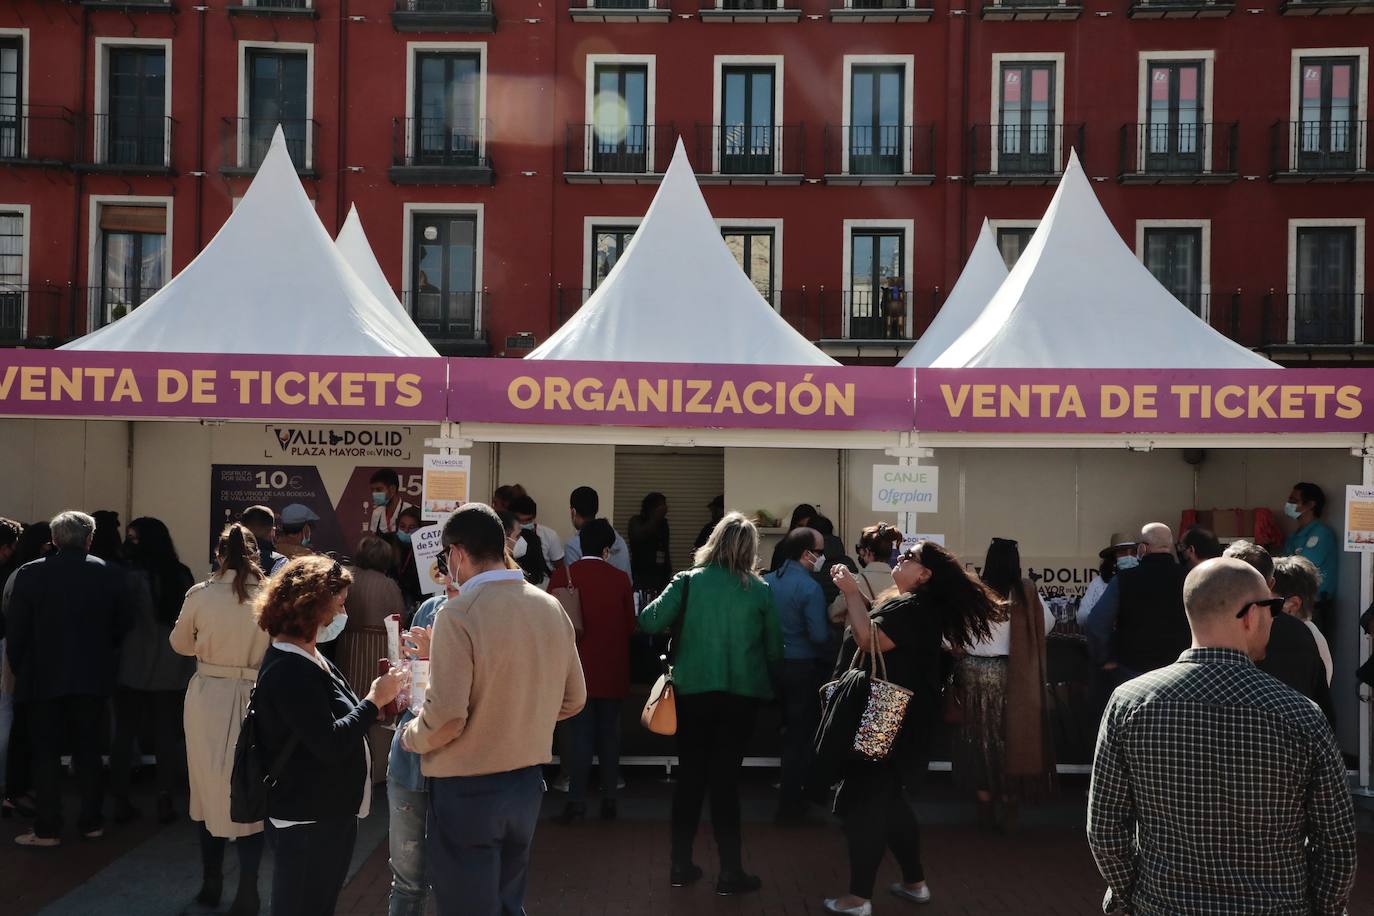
(403, 767)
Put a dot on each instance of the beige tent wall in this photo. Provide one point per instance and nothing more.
(777, 479)
(53, 465)
(549, 473)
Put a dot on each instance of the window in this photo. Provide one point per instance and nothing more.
(1328, 127)
(11, 275)
(608, 244)
(1324, 298)
(747, 137)
(11, 98)
(753, 251)
(877, 107)
(447, 126)
(133, 258)
(135, 116)
(278, 93)
(1011, 241)
(444, 274)
(620, 118)
(1175, 139)
(1174, 257)
(1026, 140)
(877, 291)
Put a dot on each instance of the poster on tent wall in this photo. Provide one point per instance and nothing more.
(1198, 401)
(680, 395)
(222, 386)
(340, 519)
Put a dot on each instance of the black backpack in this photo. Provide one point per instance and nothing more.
(250, 781)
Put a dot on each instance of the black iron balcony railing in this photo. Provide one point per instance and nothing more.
(795, 305)
(1317, 319)
(1032, 9)
(38, 135)
(624, 149)
(1317, 147)
(443, 6)
(438, 142)
(1179, 9)
(1031, 151)
(448, 316)
(741, 149)
(865, 314)
(130, 4)
(1179, 149)
(273, 6)
(1324, 7)
(877, 150)
(883, 5)
(107, 304)
(248, 139)
(128, 142)
(36, 315)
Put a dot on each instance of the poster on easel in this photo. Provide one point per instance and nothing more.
(445, 486)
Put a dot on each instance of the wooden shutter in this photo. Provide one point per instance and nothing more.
(689, 478)
(134, 219)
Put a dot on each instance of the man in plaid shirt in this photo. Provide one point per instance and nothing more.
(1216, 789)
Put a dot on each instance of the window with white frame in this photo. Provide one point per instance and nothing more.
(755, 249)
(608, 244)
(877, 262)
(1012, 238)
(878, 111)
(13, 272)
(747, 136)
(1027, 113)
(1326, 281)
(620, 114)
(1177, 253)
(12, 94)
(276, 88)
(131, 257)
(1175, 132)
(132, 124)
(446, 104)
(443, 269)
(1331, 106)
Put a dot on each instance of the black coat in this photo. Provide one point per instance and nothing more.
(65, 620)
(1151, 626)
(1293, 658)
(326, 772)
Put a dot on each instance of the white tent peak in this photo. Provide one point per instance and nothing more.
(270, 281)
(353, 244)
(677, 295)
(1079, 298)
(982, 275)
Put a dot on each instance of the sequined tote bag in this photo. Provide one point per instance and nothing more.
(885, 707)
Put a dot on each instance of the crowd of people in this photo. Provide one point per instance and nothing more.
(1213, 665)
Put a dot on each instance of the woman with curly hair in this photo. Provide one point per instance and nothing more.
(937, 601)
(310, 718)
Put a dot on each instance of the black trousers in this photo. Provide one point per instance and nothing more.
(877, 817)
(801, 711)
(67, 722)
(310, 864)
(712, 732)
(134, 709)
(19, 758)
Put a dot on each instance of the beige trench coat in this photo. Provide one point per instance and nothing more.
(228, 645)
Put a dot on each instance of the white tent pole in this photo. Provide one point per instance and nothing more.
(1366, 599)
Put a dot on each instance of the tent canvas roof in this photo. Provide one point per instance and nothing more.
(1079, 298)
(981, 277)
(357, 251)
(677, 295)
(270, 281)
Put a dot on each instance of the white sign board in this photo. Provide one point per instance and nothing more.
(445, 485)
(1359, 519)
(428, 544)
(906, 489)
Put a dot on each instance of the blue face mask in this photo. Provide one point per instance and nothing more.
(403, 536)
(330, 631)
(1291, 510)
(1127, 562)
(379, 499)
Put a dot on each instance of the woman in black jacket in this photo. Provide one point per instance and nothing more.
(306, 708)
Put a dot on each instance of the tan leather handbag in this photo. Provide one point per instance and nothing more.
(660, 710)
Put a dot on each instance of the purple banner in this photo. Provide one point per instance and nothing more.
(681, 395)
(85, 383)
(1145, 400)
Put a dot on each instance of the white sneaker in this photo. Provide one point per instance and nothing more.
(863, 909)
(921, 896)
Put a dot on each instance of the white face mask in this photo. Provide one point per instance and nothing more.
(521, 545)
(330, 631)
(1291, 510)
(818, 564)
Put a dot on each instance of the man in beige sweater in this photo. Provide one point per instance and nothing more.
(503, 670)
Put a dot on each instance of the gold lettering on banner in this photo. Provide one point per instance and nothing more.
(620, 396)
(839, 398)
(751, 403)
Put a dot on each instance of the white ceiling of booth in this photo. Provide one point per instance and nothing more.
(270, 281)
(981, 277)
(1080, 298)
(357, 251)
(677, 295)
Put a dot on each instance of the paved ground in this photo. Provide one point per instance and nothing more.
(597, 869)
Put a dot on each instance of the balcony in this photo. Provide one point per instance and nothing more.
(1178, 153)
(38, 315)
(748, 11)
(1031, 10)
(621, 11)
(883, 11)
(107, 304)
(1316, 324)
(127, 145)
(246, 141)
(42, 135)
(741, 154)
(1313, 151)
(1179, 9)
(131, 6)
(1324, 7)
(302, 9)
(862, 318)
(800, 309)
(623, 154)
(864, 154)
(434, 151)
(1022, 154)
(443, 16)
(453, 322)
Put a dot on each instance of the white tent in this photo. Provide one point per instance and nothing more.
(270, 281)
(357, 251)
(1079, 298)
(981, 277)
(677, 295)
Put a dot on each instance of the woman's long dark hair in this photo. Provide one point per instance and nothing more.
(238, 550)
(1002, 567)
(32, 544)
(966, 606)
(804, 512)
(157, 556)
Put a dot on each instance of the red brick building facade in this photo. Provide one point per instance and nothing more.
(500, 152)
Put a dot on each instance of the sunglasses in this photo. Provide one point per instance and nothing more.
(911, 555)
(1273, 604)
(441, 562)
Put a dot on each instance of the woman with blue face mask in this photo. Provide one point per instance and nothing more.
(405, 571)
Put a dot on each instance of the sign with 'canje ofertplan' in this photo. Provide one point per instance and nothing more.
(906, 489)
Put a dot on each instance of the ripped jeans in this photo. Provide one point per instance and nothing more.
(409, 883)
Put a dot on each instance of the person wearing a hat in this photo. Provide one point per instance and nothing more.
(1119, 555)
(293, 534)
(717, 507)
